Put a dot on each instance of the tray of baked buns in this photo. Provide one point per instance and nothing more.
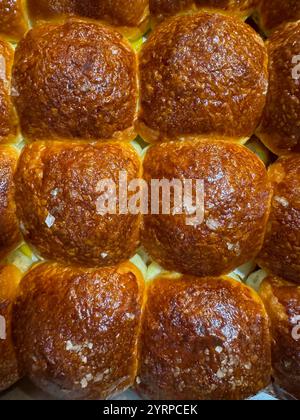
(150, 199)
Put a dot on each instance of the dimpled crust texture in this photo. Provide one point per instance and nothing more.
(13, 19)
(202, 75)
(80, 80)
(9, 226)
(76, 330)
(8, 119)
(203, 339)
(282, 301)
(58, 198)
(280, 126)
(10, 278)
(281, 250)
(274, 12)
(237, 199)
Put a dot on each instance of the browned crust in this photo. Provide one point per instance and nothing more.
(8, 118)
(237, 206)
(10, 277)
(281, 250)
(203, 339)
(9, 227)
(202, 75)
(274, 12)
(13, 19)
(280, 129)
(80, 79)
(282, 301)
(60, 180)
(76, 330)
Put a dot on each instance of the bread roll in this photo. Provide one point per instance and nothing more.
(274, 12)
(130, 16)
(13, 19)
(76, 330)
(279, 129)
(237, 198)
(58, 188)
(8, 118)
(10, 277)
(281, 251)
(203, 339)
(9, 227)
(80, 80)
(282, 301)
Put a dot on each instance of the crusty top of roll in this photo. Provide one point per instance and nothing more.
(237, 204)
(274, 12)
(281, 250)
(201, 75)
(9, 226)
(13, 19)
(280, 129)
(8, 119)
(57, 191)
(203, 339)
(80, 80)
(76, 330)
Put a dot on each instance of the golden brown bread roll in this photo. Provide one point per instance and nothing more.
(10, 278)
(9, 227)
(8, 118)
(130, 16)
(57, 196)
(13, 19)
(203, 339)
(202, 75)
(281, 251)
(282, 301)
(279, 129)
(80, 80)
(76, 330)
(236, 202)
(274, 12)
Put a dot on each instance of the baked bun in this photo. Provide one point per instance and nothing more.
(274, 12)
(58, 188)
(13, 19)
(281, 250)
(76, 330)
(202, 75)
(282, 301)
(80, 80)
(10, 277)
(203, 339)
(8, 118)
(9, 227)
(279, 129)
(130, 16)
(237, 199)
(164, 8)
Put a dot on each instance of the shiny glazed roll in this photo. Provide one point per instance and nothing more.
(131, 16)
(281, 251)
(279, 129)
(13, 19)
(274, 12)
(61, 201)
(9, 227)
(76, 330)
(10, 278)
(203, 339)
(202, 75)
(80, 80)
(282, 301)
(8, 118)
(236, 204)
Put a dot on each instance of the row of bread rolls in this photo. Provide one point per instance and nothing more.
(82, 82)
